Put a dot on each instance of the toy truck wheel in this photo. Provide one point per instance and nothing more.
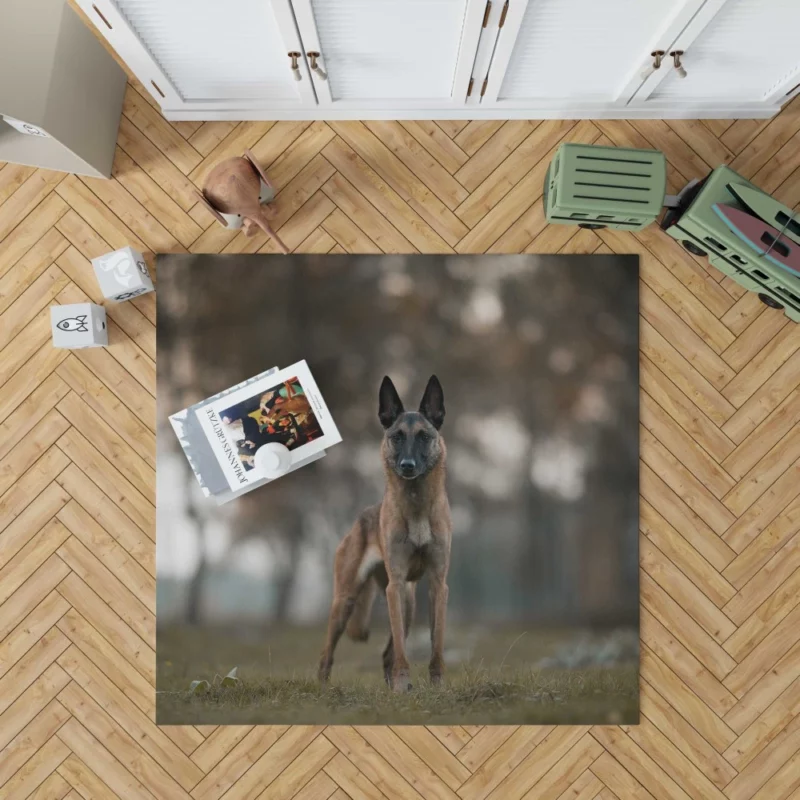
(592, 226)
(693, 248)
(769, 301)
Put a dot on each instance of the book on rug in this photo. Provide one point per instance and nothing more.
(256, 431)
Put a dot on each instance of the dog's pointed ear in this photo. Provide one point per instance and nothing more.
(390, 406)
(432, 405)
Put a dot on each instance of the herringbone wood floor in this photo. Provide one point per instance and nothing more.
(720, 463)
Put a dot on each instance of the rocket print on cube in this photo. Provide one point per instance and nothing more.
(122, 275)
(79, 325)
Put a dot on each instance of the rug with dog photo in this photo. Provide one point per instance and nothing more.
(465, 552)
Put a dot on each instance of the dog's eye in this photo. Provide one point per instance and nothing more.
(397, 436)
(423, 437)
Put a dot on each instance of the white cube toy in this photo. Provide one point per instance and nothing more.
(78, 325)
(122, 274)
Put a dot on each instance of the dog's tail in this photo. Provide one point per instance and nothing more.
(358, 624)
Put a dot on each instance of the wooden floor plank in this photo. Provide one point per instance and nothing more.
(38, 768)
(12, 176)
(701, 429)
(279, 756)
(31, 720)
(506, 175)
(102, 617)
(116, 703)
(690, 634)
(132, 466)
(91, 479)
(760, 697)
(30, 230)
(352, 204)
(384, 198)
(781, 566)
(352, 782)
(31, 484)
(109, 588)
(31, 593)
(720, 495)
(684, 556)
(119, 743)
(209, 135)
(26, 198)
(476, 133)
(683, 736)
(31, 266)
(427, 169)
(41, 728)
(434, 211)
(227, 772)
(39, 294)
(85, 783)
(144, 189)
(302, 149)
(136, 108)
(132, 214)
(94, 536)
(153, 161)
(343, 230)
(86, 748)
(437, 143)
(685, 702)
(683, 591)
(694, 674)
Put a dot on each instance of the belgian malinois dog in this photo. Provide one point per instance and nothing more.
(393, 544)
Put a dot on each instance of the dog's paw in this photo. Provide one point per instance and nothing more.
(436, 672)
(401, 682)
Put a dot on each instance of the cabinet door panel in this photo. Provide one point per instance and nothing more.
(209, 54)
(749, 51)
(565, 52)
(384, 52)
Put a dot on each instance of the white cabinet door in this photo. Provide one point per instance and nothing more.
(390, 54)
(207, 55)
(579, 54)
(735, 52)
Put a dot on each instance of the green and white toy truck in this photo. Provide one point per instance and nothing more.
(696, 225)
(612, 187)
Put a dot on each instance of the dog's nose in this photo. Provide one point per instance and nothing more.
(407, 465)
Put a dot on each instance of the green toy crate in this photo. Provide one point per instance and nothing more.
(605, 187)
(700, 230)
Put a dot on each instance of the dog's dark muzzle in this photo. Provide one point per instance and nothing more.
(408, 468)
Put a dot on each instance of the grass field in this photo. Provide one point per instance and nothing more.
(491, 679)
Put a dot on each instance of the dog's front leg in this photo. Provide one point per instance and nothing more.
(396, 600)
(438, 602)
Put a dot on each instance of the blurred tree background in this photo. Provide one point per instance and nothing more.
(538, 357)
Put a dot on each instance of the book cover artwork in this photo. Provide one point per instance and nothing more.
(278, 407)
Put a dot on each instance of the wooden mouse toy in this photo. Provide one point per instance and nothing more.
(235, 188)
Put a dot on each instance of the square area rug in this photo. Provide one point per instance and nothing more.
(482, 409)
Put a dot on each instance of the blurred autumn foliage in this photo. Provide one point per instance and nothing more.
(538, 357)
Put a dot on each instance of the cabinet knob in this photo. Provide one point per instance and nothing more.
(657, 55)
(313, 56)
(295, 66)
(676, 60)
